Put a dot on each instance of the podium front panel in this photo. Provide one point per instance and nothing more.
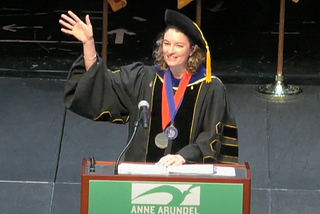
(102, 192)
(140, 197)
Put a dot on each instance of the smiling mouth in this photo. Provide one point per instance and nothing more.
(171, 58)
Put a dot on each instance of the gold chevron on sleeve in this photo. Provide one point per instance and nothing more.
(226, 131)
(108, 114)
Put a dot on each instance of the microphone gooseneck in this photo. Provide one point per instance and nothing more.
(143, 117)
(125, 149)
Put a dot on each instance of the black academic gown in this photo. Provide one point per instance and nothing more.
(100, 94)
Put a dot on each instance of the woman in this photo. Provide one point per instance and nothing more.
(191, 120)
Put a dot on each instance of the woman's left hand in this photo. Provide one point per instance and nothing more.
(171, 160)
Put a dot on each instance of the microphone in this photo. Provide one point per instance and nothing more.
(92, 165)
(144, 113)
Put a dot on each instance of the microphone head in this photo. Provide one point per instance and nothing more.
(143, 103)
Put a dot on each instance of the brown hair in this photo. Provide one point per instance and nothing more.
(194, 61)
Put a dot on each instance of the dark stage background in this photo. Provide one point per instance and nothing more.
(242, 35)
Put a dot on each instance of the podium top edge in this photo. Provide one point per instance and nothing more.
(85, 161)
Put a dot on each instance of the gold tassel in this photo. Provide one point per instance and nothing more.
(208, 57)
(208, 67)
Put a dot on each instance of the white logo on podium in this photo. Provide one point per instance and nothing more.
(165, 194)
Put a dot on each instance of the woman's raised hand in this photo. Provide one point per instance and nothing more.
(74, 26)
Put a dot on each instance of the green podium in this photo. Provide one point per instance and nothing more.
(102, 192)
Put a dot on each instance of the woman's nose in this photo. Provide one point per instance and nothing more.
(171, 49)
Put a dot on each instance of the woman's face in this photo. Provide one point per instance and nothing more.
(176, 49)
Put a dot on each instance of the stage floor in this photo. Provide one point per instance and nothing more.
(42, 145)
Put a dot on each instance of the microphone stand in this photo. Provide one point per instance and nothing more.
(124, 150)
